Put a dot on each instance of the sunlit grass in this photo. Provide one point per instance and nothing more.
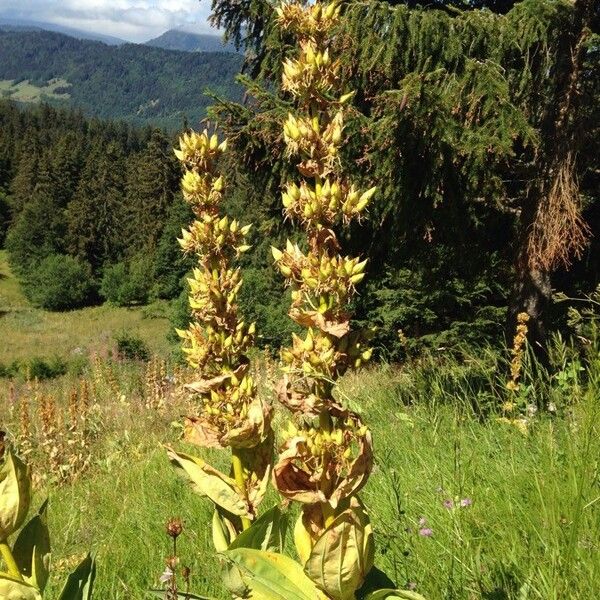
(28, 332)
(528, 528)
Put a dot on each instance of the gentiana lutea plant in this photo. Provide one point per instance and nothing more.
(25, 563)
(229, 413)
(326, 454)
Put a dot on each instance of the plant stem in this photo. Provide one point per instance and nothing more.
(9, 560)
(238, 473)
(325, 421)
(326, 424)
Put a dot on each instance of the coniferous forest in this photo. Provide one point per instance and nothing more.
(351, 294)
(462, 117)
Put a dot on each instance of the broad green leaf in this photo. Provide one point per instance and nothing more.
(15, 494)
(80, 583)
(302, 540)
(220, 533)
(343, 555)
(266, 533)
(272, 576)
(11, 589)
(32, 550)
(394, 595)
(209, 482)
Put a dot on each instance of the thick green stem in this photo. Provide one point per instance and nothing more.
(326, 424)
(9, 561)
(238, 474)
(325, 421)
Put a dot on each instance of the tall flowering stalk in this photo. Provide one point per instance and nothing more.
(229, 413)
(326, 454)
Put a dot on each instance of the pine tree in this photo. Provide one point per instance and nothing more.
(96, 217)
(39, 227)
(456, 107)
(152, 178)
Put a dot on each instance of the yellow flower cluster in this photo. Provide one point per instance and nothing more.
(327, 457)
(330, 462)
(517, 351)
(216, 341)
(323, 203)
(312, 22)
(214, 235)
(313, 70)
(330, 279)
(199, 151)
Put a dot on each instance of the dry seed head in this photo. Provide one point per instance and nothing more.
(174, 527)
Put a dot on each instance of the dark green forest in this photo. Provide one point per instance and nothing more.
(139, 83)
(480, 129)
(103, 193)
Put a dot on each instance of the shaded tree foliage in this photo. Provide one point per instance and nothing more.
(455, 106)
(98, 191)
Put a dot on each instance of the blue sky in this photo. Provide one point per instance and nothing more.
(133, 20)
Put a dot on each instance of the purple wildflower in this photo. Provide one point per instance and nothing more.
(449, 503)
(425, 532)
(466, 502)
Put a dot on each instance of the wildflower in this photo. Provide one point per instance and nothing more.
(316, 466)
(425, 532)
(466, 502)
(449, 503)
(174, 527)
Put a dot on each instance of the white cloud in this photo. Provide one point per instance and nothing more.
(134, 20)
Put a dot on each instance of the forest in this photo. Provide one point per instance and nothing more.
(355, 309)
(134, 82)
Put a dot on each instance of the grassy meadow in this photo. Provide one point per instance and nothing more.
(24, 91)
(464, 506)
(30, 332)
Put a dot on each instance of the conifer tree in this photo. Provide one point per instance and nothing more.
(96, 215)
(456, 107)
(151, 182)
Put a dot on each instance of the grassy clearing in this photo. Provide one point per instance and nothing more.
(30, 332)
(529, 527)
(464, 506)
(24, 91)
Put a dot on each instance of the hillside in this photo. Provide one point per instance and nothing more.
(38, 333)
(135, 82)
(186, 41)
(10, 24)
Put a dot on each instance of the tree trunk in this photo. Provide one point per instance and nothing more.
(551, 229)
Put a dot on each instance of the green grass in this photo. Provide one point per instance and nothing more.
(24, 91)
(531, 531)
(28, 331)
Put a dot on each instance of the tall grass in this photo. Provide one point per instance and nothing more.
(528, 526)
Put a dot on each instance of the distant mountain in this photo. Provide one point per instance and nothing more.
(134, 82)
(177, 39)
(10, 24)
